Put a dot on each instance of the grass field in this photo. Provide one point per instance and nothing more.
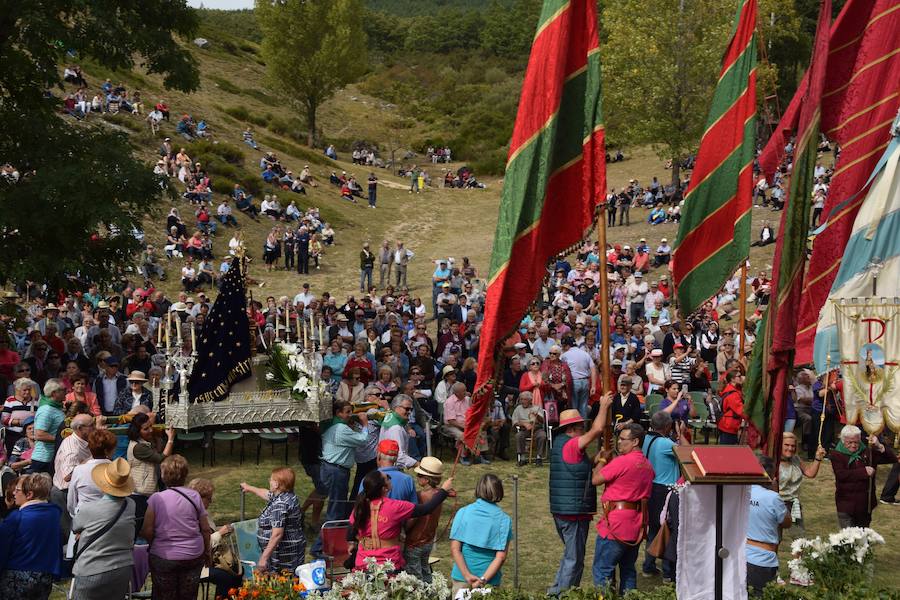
(539, 548)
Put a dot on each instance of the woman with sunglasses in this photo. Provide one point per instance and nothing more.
(533, 381)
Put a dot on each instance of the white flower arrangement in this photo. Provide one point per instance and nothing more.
(852, 544)
(291, 367)
(376, 583)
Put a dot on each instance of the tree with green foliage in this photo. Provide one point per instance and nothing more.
(660, 65)
(661, 61)
(312, 48)
(69, 215)
(509, 28)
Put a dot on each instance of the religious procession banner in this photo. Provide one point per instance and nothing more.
(869, 340)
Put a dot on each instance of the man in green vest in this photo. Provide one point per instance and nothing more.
(573, 499)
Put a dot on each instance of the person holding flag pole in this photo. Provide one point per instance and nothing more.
(556, 166)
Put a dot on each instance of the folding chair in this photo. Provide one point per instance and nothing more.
(272, 438)
(247, 546)
(542, 452)
(652, 403)
(701, 423)
(335, 548)
(197, 436)
(226, 436)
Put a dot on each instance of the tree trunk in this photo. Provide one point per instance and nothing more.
(676, 171)
(311, 107)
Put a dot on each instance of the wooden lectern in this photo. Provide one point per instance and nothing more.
(694, 475)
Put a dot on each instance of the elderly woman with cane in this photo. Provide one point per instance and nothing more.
(854, 466)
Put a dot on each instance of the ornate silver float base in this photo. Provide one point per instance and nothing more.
(271, 407)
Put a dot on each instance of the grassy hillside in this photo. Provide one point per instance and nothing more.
(437, 223)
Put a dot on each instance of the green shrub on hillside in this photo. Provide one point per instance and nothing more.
(229, 153)
(224, 84)
(310, 156)
(242, 114)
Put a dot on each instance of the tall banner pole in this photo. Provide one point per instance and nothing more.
(742, 311)
(604, 317)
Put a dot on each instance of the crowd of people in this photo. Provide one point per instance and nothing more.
(401, 370)
(91, 357)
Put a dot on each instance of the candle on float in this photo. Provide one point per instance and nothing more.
(178, 327)
(312, 330)
(287, 322)
(193, 339)
(321, 333)
(168, 332)
(299, 327)
(159, 328)
(305, 337)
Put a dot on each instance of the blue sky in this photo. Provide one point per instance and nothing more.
(224, 4)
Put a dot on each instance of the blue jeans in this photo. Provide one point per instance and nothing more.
(609, 554)
(337, 481)
(417, 562)
(365, 275)
(417, 445)
(574, 537)
(580, 389)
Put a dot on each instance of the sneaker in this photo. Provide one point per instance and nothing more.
(890, 501)
(539, 462)
(522, 463)
(482, 461)
(652, 573)
(464, 462)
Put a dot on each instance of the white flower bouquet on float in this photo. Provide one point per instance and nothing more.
(833, 561)
(377, 583)
(291, 367)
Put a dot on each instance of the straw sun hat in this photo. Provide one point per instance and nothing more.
(114, 478)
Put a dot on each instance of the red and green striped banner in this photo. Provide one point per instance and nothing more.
(714, 233)
(555, 176)
(771, 366)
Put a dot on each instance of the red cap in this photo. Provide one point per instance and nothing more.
(388, 447)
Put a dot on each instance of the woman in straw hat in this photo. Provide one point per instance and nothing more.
(134, 394)
(103, 556)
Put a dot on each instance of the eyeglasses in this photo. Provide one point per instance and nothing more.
(553, 353)
(406, 408)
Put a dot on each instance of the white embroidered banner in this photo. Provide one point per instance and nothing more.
(869, 340)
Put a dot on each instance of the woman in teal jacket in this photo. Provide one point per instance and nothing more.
(479, 538)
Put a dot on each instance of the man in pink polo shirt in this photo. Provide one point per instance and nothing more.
(629, 480)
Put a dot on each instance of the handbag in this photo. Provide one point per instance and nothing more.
(657, 547)
(225, 555)
(552, 410)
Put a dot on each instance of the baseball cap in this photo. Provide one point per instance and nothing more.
(388, 447)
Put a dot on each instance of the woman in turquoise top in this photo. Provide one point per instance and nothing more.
(479, 538)
(335, 358)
